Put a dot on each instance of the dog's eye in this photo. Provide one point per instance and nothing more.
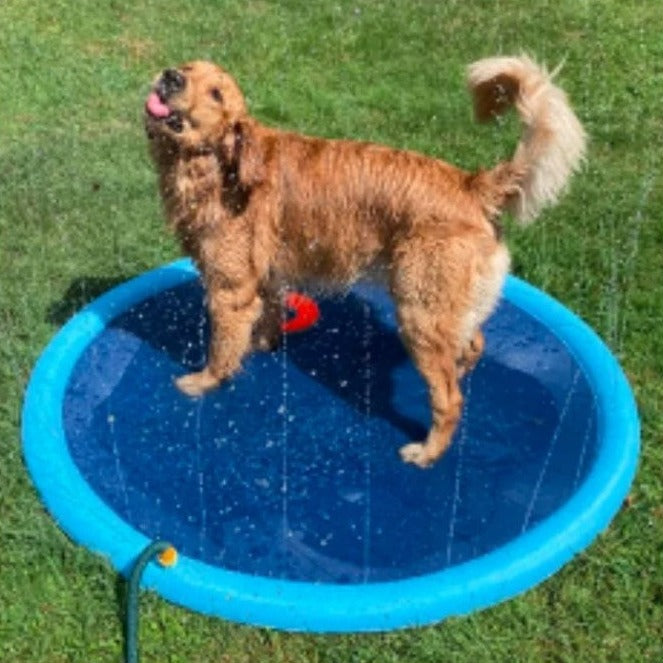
(215, 93)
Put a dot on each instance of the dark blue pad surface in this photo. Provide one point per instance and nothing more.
(291, 470)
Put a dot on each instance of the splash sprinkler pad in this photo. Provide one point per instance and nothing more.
(283, 491)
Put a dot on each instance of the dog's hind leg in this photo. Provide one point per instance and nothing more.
(435, 354)
(471, 353)
(430, 285)
(444, 287)
(488, 279)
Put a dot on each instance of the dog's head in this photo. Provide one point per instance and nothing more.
(193, 107)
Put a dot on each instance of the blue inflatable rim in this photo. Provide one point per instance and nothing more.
(293, 605)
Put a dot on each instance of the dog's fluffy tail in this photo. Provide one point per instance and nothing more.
(553, 142)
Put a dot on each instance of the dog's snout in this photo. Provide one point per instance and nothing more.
(173, 79)
(171, 82)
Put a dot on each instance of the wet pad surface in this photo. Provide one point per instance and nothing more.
(291, 470)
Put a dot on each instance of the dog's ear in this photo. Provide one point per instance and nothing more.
(242, 157)
(242, 164)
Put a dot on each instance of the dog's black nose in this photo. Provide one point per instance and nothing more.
(171, 82)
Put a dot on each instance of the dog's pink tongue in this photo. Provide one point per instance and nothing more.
(156, 107)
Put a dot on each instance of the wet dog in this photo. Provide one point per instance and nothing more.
(257, 208)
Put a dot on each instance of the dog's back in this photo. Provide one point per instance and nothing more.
(345, 204)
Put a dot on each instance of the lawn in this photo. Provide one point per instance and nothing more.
(79, 212)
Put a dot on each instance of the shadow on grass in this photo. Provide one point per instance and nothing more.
(81, 291)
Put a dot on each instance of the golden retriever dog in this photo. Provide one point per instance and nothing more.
(259, 208)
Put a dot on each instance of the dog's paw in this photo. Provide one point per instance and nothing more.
(416, 454)
(196, 384)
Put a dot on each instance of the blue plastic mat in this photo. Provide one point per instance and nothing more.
(283, 490)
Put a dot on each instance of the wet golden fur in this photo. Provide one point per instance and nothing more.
(258, 208)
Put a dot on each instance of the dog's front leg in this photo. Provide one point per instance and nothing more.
(232, 312)
(267, 332)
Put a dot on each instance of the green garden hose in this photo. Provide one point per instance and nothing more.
(167, 556)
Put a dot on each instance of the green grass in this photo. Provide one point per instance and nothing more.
(79, 212)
